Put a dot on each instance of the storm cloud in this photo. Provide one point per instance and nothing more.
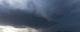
(50, 15)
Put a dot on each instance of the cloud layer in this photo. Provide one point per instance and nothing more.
(64, 14)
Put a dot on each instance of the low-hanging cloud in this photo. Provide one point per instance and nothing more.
(19, 12)
(58, 14)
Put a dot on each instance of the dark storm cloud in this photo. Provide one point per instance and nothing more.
(54, 14)
(13, 15)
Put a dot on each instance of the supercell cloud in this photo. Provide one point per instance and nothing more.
(23, 12)
(58, 14)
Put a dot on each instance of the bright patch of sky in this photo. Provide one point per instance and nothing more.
(16, 4)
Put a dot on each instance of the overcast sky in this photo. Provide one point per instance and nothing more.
(41, 13)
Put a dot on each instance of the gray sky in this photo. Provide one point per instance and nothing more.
(41, 13)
